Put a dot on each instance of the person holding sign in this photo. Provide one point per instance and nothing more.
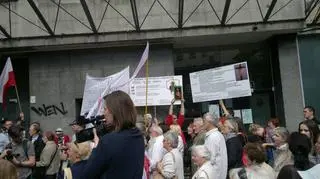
(173, 119)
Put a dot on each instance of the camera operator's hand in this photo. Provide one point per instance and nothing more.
(15, 161)
(95, 138)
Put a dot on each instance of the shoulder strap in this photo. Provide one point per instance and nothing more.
(67, 173)
(52, 157)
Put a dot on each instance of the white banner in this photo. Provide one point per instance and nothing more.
(96, 88)
(225, 82)
(161, 90)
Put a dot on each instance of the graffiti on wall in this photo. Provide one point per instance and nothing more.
(48, 110)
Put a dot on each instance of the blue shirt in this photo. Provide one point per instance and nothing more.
(4, 141)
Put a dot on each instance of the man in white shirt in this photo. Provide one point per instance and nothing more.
(155, 150)
(216, 144)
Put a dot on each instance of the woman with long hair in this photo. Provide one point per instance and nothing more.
(300, 146)
(119, 154)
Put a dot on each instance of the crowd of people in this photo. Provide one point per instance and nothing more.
(219, 148)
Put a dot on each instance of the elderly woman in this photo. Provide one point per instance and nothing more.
(256, 167)
(282, 154)
(50, 156)
(201, 157)
(77, 153)
(171, 165)
(233, 143)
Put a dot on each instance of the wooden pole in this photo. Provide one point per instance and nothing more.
(15, 86)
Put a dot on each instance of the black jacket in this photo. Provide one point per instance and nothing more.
(234, 151)
(119, 155)
(38, 172)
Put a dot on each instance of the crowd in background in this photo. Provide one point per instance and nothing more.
(217, 148)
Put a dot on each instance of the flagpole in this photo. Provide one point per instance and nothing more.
(15, 86)
(147, 74)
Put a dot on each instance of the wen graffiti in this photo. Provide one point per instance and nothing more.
(49, 110)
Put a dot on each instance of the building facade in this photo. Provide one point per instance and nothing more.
(53, 44)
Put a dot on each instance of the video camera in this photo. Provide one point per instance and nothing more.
(9, 154)
(87, 133)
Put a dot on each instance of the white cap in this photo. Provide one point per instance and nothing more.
(59, 130)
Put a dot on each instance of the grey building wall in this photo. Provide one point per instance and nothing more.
(309, 49)
(58, 78)
(291, 82)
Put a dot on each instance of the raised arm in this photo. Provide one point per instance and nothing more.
(169, 118)
(225, 111)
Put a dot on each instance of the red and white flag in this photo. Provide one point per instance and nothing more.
(7, 80)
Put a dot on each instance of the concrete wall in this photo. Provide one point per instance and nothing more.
(291, 82)
(59, 77)
(158, 18)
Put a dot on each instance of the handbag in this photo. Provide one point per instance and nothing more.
(159, 176)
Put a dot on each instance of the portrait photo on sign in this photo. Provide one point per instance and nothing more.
(241, 71)
(177, 92)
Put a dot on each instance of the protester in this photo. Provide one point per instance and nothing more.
(311, 130)
(4, 137)
(315, 156)
(62, 140)
(173, 119)
(256, 167)
(7, 170)
(176, 129)
(146, 164)
(309, 114)
(38, 143)
(282, 154)
(258, 133)
(119, 154)
(201, 157)
(233, 143)
(272, 124)
(172, 163)
(20, 152)
(50, 156)
(78, 153)
(155, 149)
(216, 144)
(300, 146)
(199, 137)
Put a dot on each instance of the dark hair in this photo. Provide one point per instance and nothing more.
(15, 132)
(255, 152)
(310, 108)
(275, 121)
(313, 129)
(36, 126)
(300, 146)
(122, 109)
(50, 135)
